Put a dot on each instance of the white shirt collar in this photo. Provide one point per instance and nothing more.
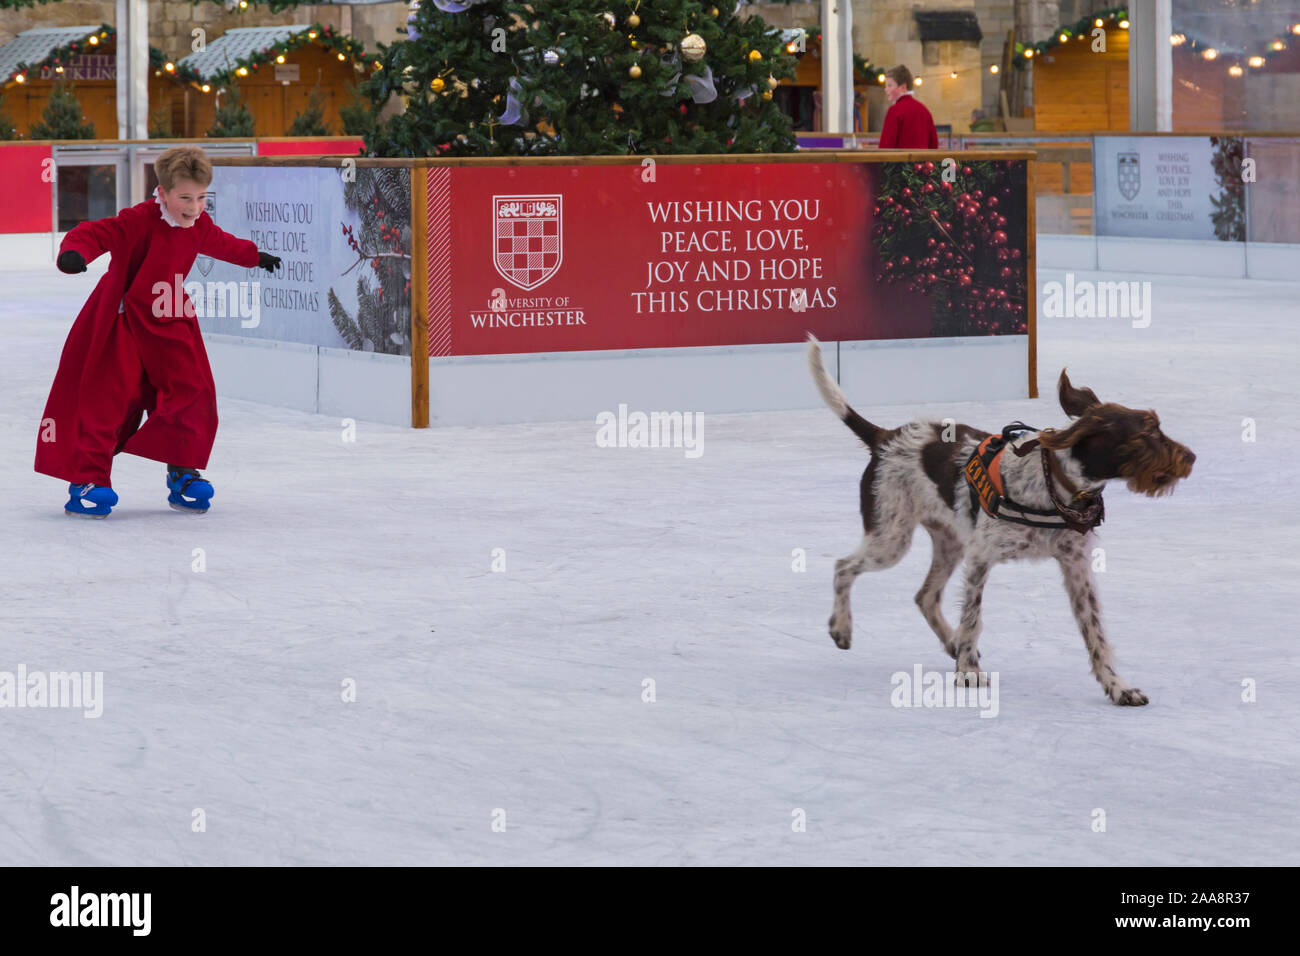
(167, 218)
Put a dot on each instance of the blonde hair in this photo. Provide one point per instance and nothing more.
(183, 162)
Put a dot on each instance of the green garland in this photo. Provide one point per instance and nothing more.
(58, 57)
(1082, 27)
(325, 36)
(185, 74)
(1085, 25)
(276, 6)
(315, 34)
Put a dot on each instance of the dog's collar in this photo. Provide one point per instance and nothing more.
(984, 475)
(1092, 509)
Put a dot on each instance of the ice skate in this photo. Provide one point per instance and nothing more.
(90, 500)
(190, 491)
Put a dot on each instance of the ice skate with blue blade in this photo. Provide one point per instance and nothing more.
(190, 491)
(90, 500)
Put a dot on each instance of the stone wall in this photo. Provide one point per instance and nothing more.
(894, 38)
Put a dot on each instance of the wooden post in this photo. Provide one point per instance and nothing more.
(1031, 271)
(1005, 77)
(419, 298)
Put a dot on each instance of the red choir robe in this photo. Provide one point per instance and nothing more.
(122, 362)
(908, 125)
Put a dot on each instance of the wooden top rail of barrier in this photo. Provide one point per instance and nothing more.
(834, 156)
(1090, 134)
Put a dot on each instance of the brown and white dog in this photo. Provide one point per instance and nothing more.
(917, 476)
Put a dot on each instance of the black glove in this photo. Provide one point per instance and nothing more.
(71, 262)
(268, 262)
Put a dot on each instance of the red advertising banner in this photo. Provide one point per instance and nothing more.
(299, 146)
(588, 257)
(26, 187)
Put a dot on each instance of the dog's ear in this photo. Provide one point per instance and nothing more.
(1075, 401)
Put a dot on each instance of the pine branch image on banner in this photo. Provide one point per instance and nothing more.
(581, 77)
(959, 240)
(381, 198)
(1229, 215)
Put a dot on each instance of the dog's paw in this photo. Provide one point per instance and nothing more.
(971, 679)
(1129, 697)
(841, 632)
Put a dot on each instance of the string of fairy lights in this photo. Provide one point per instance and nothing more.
(344, 47)
(1023, 54)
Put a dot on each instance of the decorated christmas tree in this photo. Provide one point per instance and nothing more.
(582, 77)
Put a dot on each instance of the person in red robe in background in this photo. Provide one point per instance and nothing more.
(908, 124)
(135, 349)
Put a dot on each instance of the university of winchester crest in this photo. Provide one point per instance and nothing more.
(527, 239)
(1129, 174)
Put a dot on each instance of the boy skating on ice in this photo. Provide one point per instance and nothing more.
(129, 354)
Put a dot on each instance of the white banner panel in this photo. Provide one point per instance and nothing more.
(344, 247)
(1158, 187)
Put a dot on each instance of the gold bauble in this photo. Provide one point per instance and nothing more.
(755, 56)
(437, 84)
(713, 11)
(693, 48)
(634, 71)
(767, 94)
(773, 82)
(633, 20)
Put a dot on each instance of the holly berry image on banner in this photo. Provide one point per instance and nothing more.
(959, 239)
(571, 258)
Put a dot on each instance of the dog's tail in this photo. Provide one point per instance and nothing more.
(832, 396)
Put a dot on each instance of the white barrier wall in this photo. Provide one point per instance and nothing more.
(1174, 257)
(362, 385)
(571, 386)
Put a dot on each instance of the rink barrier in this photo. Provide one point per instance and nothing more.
(541, 386)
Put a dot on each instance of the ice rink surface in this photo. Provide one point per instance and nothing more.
(486, 695)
